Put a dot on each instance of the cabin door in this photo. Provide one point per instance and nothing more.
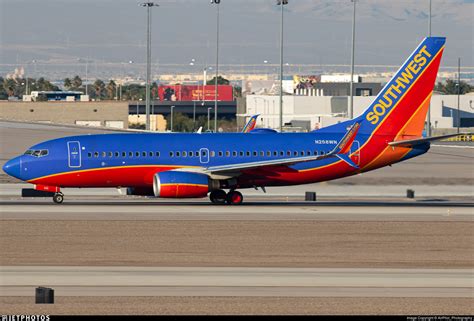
(74, 154)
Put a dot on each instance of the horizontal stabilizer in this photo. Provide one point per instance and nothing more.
(420, 141)
(345, 144)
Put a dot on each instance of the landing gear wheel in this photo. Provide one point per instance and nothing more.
(234, 198)
(58, 198)
(218, 196)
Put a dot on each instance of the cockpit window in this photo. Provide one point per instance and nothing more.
(37, 152)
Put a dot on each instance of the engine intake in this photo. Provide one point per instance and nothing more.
(174, 184)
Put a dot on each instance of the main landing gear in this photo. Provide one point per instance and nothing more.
(221, 197)
(58, 198)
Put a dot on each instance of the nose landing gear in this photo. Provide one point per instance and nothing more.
(58, 198)
(221, 197)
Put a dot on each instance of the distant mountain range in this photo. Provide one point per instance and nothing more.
(398, 10)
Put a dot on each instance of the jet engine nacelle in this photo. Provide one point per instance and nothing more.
(175, 184)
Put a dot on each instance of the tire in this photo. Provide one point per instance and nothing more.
(218, 196)
(58, 198)
(234, 198)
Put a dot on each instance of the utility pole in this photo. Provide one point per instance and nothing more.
(216, 2)
(87, 65)
(459, 92)
(281, 3)
(148, 6)
(428, 122)
(351, 89)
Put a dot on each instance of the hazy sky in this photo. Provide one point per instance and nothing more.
(316, 31)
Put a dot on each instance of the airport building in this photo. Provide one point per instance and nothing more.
(95, 113)
(305, 113)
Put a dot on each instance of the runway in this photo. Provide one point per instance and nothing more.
(219, 281)
(257, 210)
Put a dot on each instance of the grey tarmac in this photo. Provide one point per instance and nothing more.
(238, 281)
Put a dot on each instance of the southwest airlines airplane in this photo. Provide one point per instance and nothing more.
(181, 165)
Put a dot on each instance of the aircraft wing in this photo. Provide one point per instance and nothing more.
(341, 151)
(419, 141)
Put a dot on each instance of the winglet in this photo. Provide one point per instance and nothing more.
(250, 124)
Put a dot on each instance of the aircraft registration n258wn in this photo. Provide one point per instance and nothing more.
(193, 165)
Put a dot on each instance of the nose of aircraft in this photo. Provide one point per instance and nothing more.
(12, 167)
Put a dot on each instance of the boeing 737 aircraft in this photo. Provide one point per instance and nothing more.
(194, 165)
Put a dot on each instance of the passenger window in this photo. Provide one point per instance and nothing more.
(241, 153)
(197, 154)
(269, 153)
(295, 153)
(302, 153)
(117, 154)
(322, 152)
(275, 153)
(130, 154)
(248, 153)
(262, 153)
(137, 154)
(124, 154)
(288, 153)
(191, 153)
(89, 154)
(227, 153)
(171, 154)
(178, 154)
(213, 153)
(184, 154)
(104, 154)
(144, 154)
(110, 154)
(316, 152)
(220, 154)
(308, 153)
(234, 153)
(204, 153)
(157, 154)
(150, 154)
(96, 154)
(255, 153)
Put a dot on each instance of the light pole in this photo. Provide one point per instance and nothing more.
(208, 117)
(281, 3)
(87, 66)
(172, 107)
(204, 83)
(216, 2)
(194, 114)
(351, 89)
(459, 91)
(428, 123)
(148, 6)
